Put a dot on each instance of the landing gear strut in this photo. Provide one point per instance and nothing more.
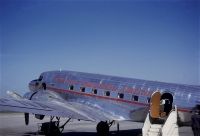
(53, 128)
(103, 128)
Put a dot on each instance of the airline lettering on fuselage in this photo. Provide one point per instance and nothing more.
(106, 86)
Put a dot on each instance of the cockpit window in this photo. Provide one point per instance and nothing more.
(40, 78)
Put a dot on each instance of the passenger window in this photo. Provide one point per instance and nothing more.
(94, 91)
(82, 89)
(120, 95)
(135, 98)
(107, 93)
(71, 87)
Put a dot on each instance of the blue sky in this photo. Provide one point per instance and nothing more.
(150, 40)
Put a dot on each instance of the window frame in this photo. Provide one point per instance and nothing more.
(135, 98)
(107, 93)
(82, 89)
(71, 87)
(94, 91)
(120, 95)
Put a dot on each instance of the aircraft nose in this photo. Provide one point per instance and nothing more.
(33, 85)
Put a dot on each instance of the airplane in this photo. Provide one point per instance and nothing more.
(100, 98)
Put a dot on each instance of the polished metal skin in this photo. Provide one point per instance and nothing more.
(98, 97)
(104, 97)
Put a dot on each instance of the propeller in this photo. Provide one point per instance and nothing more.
(26, 116)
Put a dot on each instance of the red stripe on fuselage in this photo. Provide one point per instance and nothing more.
(106, 97)
(184, 110)
(97, 96)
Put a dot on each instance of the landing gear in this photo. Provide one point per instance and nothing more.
(103, 128)
(53, 128)
(50, 129)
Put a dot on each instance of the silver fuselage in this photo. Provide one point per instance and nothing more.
(124, 98)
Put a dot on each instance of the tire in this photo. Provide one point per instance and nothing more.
(102, 129)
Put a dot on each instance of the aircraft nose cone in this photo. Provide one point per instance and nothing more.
(33, 84)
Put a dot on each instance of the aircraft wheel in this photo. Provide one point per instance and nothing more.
(50, 129)
(102, 129)
(53, 132)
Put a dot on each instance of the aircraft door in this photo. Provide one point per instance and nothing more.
(167, 100)
(155, 105)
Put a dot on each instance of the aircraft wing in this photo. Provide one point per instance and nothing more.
(58, 108)
(48, 108)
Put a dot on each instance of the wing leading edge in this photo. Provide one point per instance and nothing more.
(58, 108)
(41, 107)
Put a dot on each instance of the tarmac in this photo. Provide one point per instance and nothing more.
(13, 124)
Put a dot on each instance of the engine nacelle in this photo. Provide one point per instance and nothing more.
(29, 95)
(37, 85)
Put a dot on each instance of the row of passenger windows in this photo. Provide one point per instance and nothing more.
(107, 93)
